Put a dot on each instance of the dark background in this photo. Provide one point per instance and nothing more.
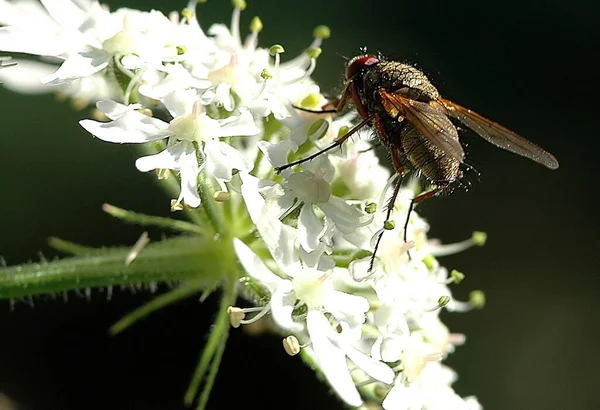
(528, 65)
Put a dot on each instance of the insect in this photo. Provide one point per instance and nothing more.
(414, 122)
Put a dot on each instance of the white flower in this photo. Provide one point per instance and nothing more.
(332, 348)
(86, 36)
(311, 191)
(190, 125)
(391, 322)
(431, 392)
(312, 287)
(261, 85)
(360, 171)
(316, 290)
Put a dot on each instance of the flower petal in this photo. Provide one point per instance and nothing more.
(347, 307)
(115, 110)
(239, 126)
(403, 397)
(279, 238)
(223, 96)
(255, 267)
(282, 306)
(222, 159)
(374, 368)
(331, 359)
(345, 216)
(310, 228)
(188, 165)
(180, 102)
(131, 127)
(277, 154)
(25, 77)
(66, 13)
(170, 158)
(79, 66)
(19, 40)
(181, 156)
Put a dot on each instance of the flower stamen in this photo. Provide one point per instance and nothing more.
(238, 6)
(312, 53)
(237, 316)
(476, 239)
(256, 27)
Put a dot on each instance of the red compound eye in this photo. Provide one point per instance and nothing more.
(357, 64)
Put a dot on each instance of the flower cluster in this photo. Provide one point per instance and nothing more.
(228, 115)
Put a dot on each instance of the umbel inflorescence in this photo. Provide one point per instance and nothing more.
(217, 113)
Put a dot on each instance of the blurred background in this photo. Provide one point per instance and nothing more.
(528, 65)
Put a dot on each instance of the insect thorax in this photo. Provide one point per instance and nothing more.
(393, 76)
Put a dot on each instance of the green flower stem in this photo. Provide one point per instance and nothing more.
(213, 211)
(187, 258)
(155, 304)
(250, 237)
(147, 220)
(213, 350)
(223, 320)
(70, 247)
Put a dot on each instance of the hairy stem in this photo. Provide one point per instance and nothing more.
(186, 258)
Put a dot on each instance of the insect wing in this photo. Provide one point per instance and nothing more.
(430, 120)
(499, 136)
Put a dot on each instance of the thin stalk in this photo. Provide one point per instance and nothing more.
(70, 247)
(155, 304)
(145, 220)
(213, 348)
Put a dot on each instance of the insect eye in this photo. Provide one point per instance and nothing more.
(358, 64)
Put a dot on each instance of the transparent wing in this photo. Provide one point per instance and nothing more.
(501, 137)
(430, 120)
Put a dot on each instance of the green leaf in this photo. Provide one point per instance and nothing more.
(205, 261)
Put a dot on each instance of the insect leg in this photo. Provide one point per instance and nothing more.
(416, 200)
(322, 111)
(337, 143)
(390, 206)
